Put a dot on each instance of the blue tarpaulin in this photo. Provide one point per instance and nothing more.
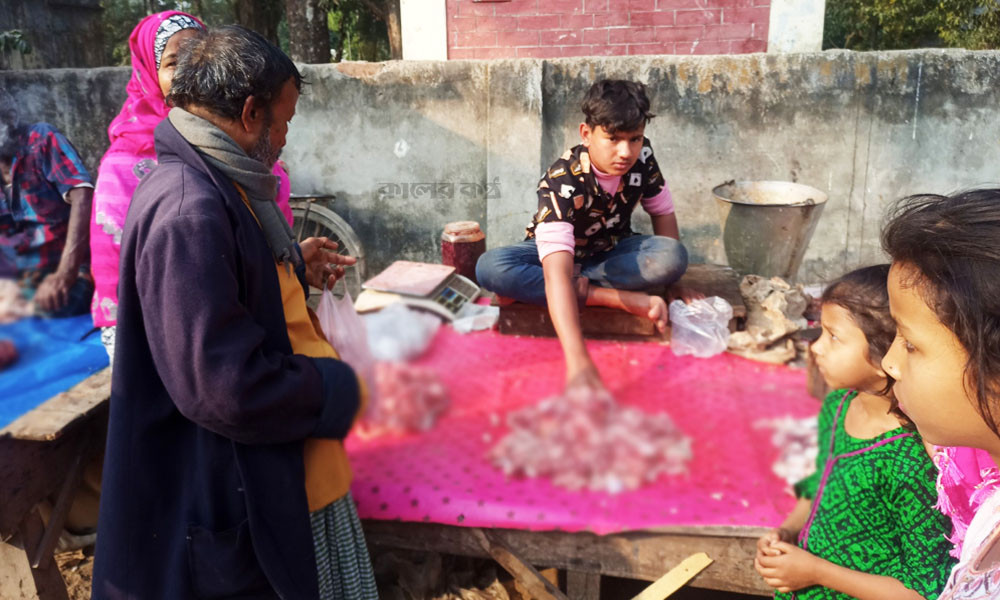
(53, 358)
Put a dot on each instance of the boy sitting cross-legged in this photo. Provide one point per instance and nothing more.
(581, 233)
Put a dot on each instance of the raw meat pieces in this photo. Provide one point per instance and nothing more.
(407, 398)
(13, 306)
(8, 353)
(582, 440)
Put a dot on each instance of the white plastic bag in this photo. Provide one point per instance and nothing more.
(346, 332)
(475, 317)
(398, 333)
(700, 328)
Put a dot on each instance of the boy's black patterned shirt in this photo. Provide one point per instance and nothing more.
(568, 192)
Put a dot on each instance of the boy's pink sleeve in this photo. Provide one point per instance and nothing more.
(660, 204)
(554, 237)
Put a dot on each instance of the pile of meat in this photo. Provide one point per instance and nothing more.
(407, 398)
(8, 353)
(795, 440)
(583, 440)
(13, 306)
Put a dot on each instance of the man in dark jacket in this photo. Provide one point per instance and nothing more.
(203, 492)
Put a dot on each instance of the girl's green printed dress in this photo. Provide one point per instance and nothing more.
(873, 507)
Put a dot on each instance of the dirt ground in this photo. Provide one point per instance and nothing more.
(77, 569)
(420, 576)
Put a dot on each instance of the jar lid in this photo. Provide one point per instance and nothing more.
(462, 231)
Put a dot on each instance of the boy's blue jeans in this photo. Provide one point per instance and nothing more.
(638, 262)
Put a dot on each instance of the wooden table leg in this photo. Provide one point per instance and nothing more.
(18, 581)
(583, 586)
(42, 554)
(539, 587)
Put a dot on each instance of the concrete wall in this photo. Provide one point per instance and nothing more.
(68, 33)
(866, 128)
(560, 28)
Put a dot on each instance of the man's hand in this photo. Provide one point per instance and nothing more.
(791, 569)
(319, 253)
(53, 292)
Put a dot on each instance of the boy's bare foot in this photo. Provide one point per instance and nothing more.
(644, 305)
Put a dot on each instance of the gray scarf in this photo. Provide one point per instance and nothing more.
(220, 151)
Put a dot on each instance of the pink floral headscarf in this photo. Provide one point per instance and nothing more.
(145, 107)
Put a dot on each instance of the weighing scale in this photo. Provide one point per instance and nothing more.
(435, 288)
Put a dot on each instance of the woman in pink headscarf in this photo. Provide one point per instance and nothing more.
(154, 45)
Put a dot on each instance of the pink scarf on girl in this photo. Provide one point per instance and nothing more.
(130, 157)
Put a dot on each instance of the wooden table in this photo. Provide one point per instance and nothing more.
(42, 454)
(643, 555)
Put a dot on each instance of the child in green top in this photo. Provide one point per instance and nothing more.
(865, 525)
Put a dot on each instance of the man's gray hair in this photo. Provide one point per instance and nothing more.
(221, 69)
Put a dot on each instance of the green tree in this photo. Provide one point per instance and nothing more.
(14, 41)
(360, 29)
(901, 24)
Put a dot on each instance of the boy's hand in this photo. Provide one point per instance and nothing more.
(792, 569)
(586, 378)
(319, 253)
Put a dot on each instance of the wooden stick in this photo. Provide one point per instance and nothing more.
(675, 578)
(43, 554)
(539, 587)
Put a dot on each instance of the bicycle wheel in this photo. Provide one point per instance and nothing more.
(314, 220)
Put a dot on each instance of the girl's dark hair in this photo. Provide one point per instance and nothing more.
(864, 293)
(616, 105)
(954, 244)
(221, 68)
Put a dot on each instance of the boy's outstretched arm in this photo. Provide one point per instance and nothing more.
(666, 225)
(564, 310)
(796, 568)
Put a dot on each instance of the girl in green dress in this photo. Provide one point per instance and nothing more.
(865, 525)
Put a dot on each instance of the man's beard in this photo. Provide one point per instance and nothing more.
(263, 150)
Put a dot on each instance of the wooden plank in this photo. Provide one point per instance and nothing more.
(716, 280)
(50, 419)
(33, 470)
(598, 322)
(16, 580)
(42, 556)
(675, 578)
(581, 585)
(49, 583)
(634, 555)
(536, 585)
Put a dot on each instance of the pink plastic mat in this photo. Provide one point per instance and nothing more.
(442, 476)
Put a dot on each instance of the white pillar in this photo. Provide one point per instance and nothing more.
(425, 29)
(796, 26)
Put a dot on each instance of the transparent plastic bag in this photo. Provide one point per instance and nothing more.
(398, 333)
(700, 328)
(346, 332)
(475, 317)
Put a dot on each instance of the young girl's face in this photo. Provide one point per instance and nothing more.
(842, 352)
(928, 363)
